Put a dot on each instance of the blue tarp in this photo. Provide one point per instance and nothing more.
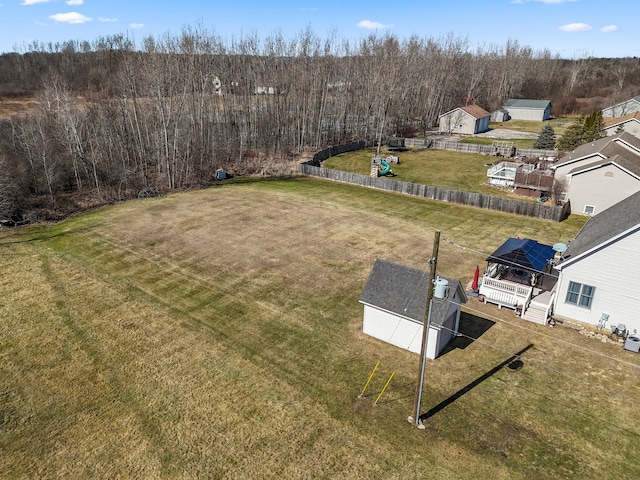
(523, 253)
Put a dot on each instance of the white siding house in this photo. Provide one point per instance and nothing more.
(598, 281)
(524, 109)
(394, 300)
(628, 123)
(623, 108)
(467, 120)
(600, 174)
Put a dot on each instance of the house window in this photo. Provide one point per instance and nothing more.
(589, 209)
(580, 294)
(608, 174)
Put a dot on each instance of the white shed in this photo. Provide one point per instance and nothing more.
(394, 300)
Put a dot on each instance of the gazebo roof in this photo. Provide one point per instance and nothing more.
(525, 253)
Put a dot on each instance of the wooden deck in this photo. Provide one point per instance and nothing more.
(533, 302)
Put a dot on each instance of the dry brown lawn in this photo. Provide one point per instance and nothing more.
(217, 334)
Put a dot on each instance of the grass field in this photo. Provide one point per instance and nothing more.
(217, 334)
(442, 168)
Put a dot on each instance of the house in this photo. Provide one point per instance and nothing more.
(523, 109)
(599, 174)
(519, 276)
(623, 108)
(628, 123)
(394, 300)
(598, 281)
(467, 120)
(266, 91)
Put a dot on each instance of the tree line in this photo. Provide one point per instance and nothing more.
(112, 117)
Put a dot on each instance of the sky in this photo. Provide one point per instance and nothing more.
(570, 28)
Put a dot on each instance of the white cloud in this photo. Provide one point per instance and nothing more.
(371, 25)
(33, 2)
(108, 20)
(75, 2)
(71, 17)
(576, 27)
(609, 28)
(136, 25)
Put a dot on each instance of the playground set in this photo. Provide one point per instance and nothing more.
(381, 167)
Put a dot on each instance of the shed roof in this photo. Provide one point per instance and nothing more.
(473, 110)
(604, 228)
(402, 290)
(476, 112)
(526, 103)
(523, 252)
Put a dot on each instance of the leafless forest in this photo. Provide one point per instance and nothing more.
(110, 118)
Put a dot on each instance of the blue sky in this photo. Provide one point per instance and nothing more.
(571, 28)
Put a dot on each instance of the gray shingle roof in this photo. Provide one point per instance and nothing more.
(608, 148)
(526, 103)
(633, 99)
(604, 227)
(403, 290)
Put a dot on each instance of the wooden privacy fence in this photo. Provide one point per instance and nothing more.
(482, 149)
(508, 205)
(322, 155)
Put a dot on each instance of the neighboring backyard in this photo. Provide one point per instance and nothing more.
(450, 169)
(217, 334)
(442, 168)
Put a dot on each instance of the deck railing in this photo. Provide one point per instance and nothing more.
(505, 293)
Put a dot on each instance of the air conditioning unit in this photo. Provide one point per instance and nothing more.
(632, 344)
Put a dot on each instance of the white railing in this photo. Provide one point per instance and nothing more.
(505, 293)
(502, 165)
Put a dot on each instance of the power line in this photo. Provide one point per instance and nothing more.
(546, 367)
(493, 317)
(484, 254)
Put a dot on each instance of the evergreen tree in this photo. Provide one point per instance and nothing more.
(588, 129)
(546, 139)
(572, 137)
(593, 127)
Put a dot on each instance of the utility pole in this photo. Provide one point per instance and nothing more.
(433, 262)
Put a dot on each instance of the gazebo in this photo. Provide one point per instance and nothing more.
(517, 272)
(521, 260)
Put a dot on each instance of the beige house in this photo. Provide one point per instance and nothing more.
(600, 174)
(629, 123)
(467, 120)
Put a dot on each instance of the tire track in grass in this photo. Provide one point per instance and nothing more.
(150, 425)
